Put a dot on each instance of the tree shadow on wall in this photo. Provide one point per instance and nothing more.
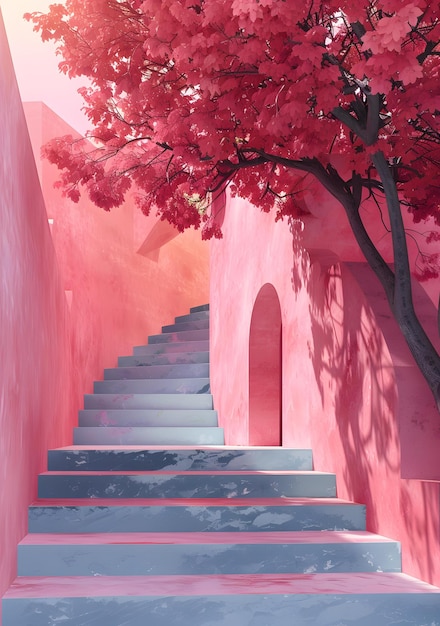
(354, 374)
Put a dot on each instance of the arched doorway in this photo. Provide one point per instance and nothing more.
(265, 370)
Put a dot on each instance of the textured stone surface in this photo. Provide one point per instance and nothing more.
(178, 346)
(147, 417)
(154, 435)
(192, 459)
(148, 401)
(187, 325)
(184, 335)
(186, 485)
(175, 385)
(181, 370)
(205, 553)
(195, 516)
(172, 358)
(199, 315)
(321, 600)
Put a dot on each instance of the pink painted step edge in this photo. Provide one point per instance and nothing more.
(71, 586)
(184, 473)
(173, 447)
(189, 502)
(275, 537)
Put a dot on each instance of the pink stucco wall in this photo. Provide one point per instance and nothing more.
(349, 388)
(71, 300)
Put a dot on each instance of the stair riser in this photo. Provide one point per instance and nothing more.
(233, 610)
(184, 335)
(186, 486)
(194, 370)
(189, 325)
(200, 315)
(167, 348)
(180, 460)
(145, 436)
(177, 385)
(154, 560)
(172, 358)
(159, 417)
(198, 309)
(148, 401)
(139, 518)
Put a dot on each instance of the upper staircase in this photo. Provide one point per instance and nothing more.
(149, 519)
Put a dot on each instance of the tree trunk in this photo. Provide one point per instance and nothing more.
(423, 351)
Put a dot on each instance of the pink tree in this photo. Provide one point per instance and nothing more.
(190, 96)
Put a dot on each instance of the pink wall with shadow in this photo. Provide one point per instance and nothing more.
(71, 301)
(349, 388)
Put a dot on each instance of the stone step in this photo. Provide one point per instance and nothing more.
(161, 484)
(184, 459)
(177, 346)
(323, 599)
(153, 554)
(147, 417)
(172, 358)
(199, 315)
(188, 325)
(184, 335)
(195, 515)
(187, 370)
(148, 435)
(198, 309)
(148, 401)
(172, 385)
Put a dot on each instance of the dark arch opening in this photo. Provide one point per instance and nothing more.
(265, 370)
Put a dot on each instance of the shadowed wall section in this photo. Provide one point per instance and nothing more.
(265, 370)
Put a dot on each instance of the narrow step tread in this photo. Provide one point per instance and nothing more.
(172, 358)
(151, 372)
(226, 584)
(183, 335)
(225, 458)
(176, 346)
(147, 417)
(155, 386)
(188, 325)
(243, 538)
(144, 435)
(148, 401)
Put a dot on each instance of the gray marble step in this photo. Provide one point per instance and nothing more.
(360, 599)
(153, 554)
(186, 459)
(199, 315)
(184, 335)
(144, 436)
(198, 309)
(186, 485)
(186, 370)
(174, 385)
(238, 515)
(177, 346)
(172, 358)
(147, 417)
(189, 325)
(148, 401)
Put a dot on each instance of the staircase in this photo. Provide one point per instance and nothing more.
(149, 520)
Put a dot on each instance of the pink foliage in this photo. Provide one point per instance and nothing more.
(188, 96)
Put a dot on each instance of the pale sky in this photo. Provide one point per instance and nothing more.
(36, 65)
